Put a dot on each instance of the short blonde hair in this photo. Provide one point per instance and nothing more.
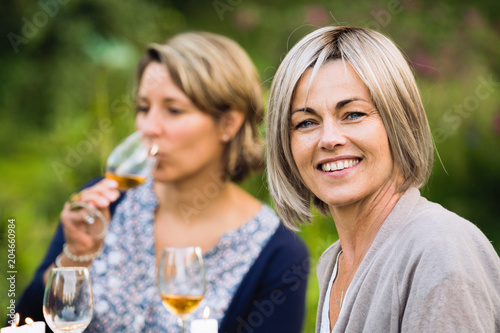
(390, 80)
(217, 75)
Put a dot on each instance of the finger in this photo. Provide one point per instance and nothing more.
(99, 200)
(84, 220)
(105, 185)
(71, 218)
(111, 194)
(108, 183)
(99, 196)
(75, 228)
(78, 232)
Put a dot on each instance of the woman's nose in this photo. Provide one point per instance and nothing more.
(332, 135)
(149, 123)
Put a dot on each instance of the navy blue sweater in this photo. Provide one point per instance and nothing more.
(271, 297)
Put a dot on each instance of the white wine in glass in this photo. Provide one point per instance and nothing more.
(181, 280)
(130, 163)
(181, 304)
(68, 302)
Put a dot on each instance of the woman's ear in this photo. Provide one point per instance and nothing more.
(230, 124)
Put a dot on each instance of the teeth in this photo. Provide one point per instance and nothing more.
(339, 165)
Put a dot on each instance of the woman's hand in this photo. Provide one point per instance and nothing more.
(77, 231)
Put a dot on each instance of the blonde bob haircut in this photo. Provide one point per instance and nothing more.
(390, 80)
(217, 75)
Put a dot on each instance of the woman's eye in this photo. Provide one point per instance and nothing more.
(304, 124)
(354, 115)
(174, 110)
(141, 108)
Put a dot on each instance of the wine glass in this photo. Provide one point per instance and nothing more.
(181, 280)
(68, 302)
(129, 164)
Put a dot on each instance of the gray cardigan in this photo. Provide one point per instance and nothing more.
(428, 270)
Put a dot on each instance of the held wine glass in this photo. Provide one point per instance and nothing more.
(129, 164)
(68, 302)
(181, 280)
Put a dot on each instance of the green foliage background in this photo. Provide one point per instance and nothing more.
(67, 67)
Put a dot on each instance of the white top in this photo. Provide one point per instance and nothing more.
(325, 320)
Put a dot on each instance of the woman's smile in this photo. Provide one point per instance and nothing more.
(338, 165)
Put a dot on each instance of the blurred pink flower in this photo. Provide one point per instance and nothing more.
(496, 123)
(246, 19)
(413, 6)
(473, 18)
(449, 62)
(317, 15)
(424, 64)
(448, 51)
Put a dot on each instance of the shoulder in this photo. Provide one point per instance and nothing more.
(284, 250)
(441, 259)
(439, 244)
(282, 264)
(431, 225)
(284, 241)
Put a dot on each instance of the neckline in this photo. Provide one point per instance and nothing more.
(325, 315)
(145, 196)
(246, 228)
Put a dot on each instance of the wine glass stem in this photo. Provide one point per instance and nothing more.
(181, 322)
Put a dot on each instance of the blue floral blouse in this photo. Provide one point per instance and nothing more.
(126, 295)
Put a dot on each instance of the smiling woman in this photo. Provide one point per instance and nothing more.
(347, 133)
